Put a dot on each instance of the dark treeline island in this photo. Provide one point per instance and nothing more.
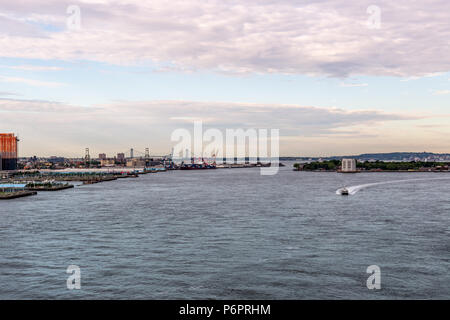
(393, 156)
(335, 165)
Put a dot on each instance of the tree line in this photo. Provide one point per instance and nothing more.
(332, 165)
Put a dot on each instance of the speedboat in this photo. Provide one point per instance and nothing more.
(344, 192)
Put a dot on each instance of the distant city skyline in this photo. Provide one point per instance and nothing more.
(336, 78)
(392, 156)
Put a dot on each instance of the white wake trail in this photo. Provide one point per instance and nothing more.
(354, 189)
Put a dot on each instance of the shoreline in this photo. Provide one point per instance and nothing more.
(374, 171)
(15, 195)
(52, 188)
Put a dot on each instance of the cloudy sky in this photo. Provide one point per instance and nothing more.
(336, 77)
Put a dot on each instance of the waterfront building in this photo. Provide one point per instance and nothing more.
(107, 162)
(11, 187)
(8, 151)
(348, 165)
(135, 163)
(121, 157)
(55, 159)
(102, 156)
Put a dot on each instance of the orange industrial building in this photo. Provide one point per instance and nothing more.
(8, 151)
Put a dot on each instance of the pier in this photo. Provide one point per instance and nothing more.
(12, 191)
(17, 194)
(48, 186)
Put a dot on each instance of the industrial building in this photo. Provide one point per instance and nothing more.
(107, 162)
(8, 151)
(135, 163)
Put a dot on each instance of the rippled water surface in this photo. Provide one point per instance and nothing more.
(231, 234)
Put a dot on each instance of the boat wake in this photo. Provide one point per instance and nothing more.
(354, 189)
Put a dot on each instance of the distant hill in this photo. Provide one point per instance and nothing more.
(392, 156)
(398, 156)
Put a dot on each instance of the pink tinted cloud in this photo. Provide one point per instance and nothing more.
(297, 37)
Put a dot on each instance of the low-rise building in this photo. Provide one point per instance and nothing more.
(135, 163)
(107, 162)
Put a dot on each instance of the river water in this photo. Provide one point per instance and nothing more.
(231, 234)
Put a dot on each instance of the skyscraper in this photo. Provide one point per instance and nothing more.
(121, 157)
(8, 151)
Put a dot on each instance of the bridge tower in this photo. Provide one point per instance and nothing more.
(87, 157)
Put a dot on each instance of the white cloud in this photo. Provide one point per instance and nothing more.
(7, 93)
(119, 126)
(429, 75)
(441, 92)
(350, 85)
(286, 36)
(31, 82)
(32, 68)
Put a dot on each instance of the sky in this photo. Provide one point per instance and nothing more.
(335, 77)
